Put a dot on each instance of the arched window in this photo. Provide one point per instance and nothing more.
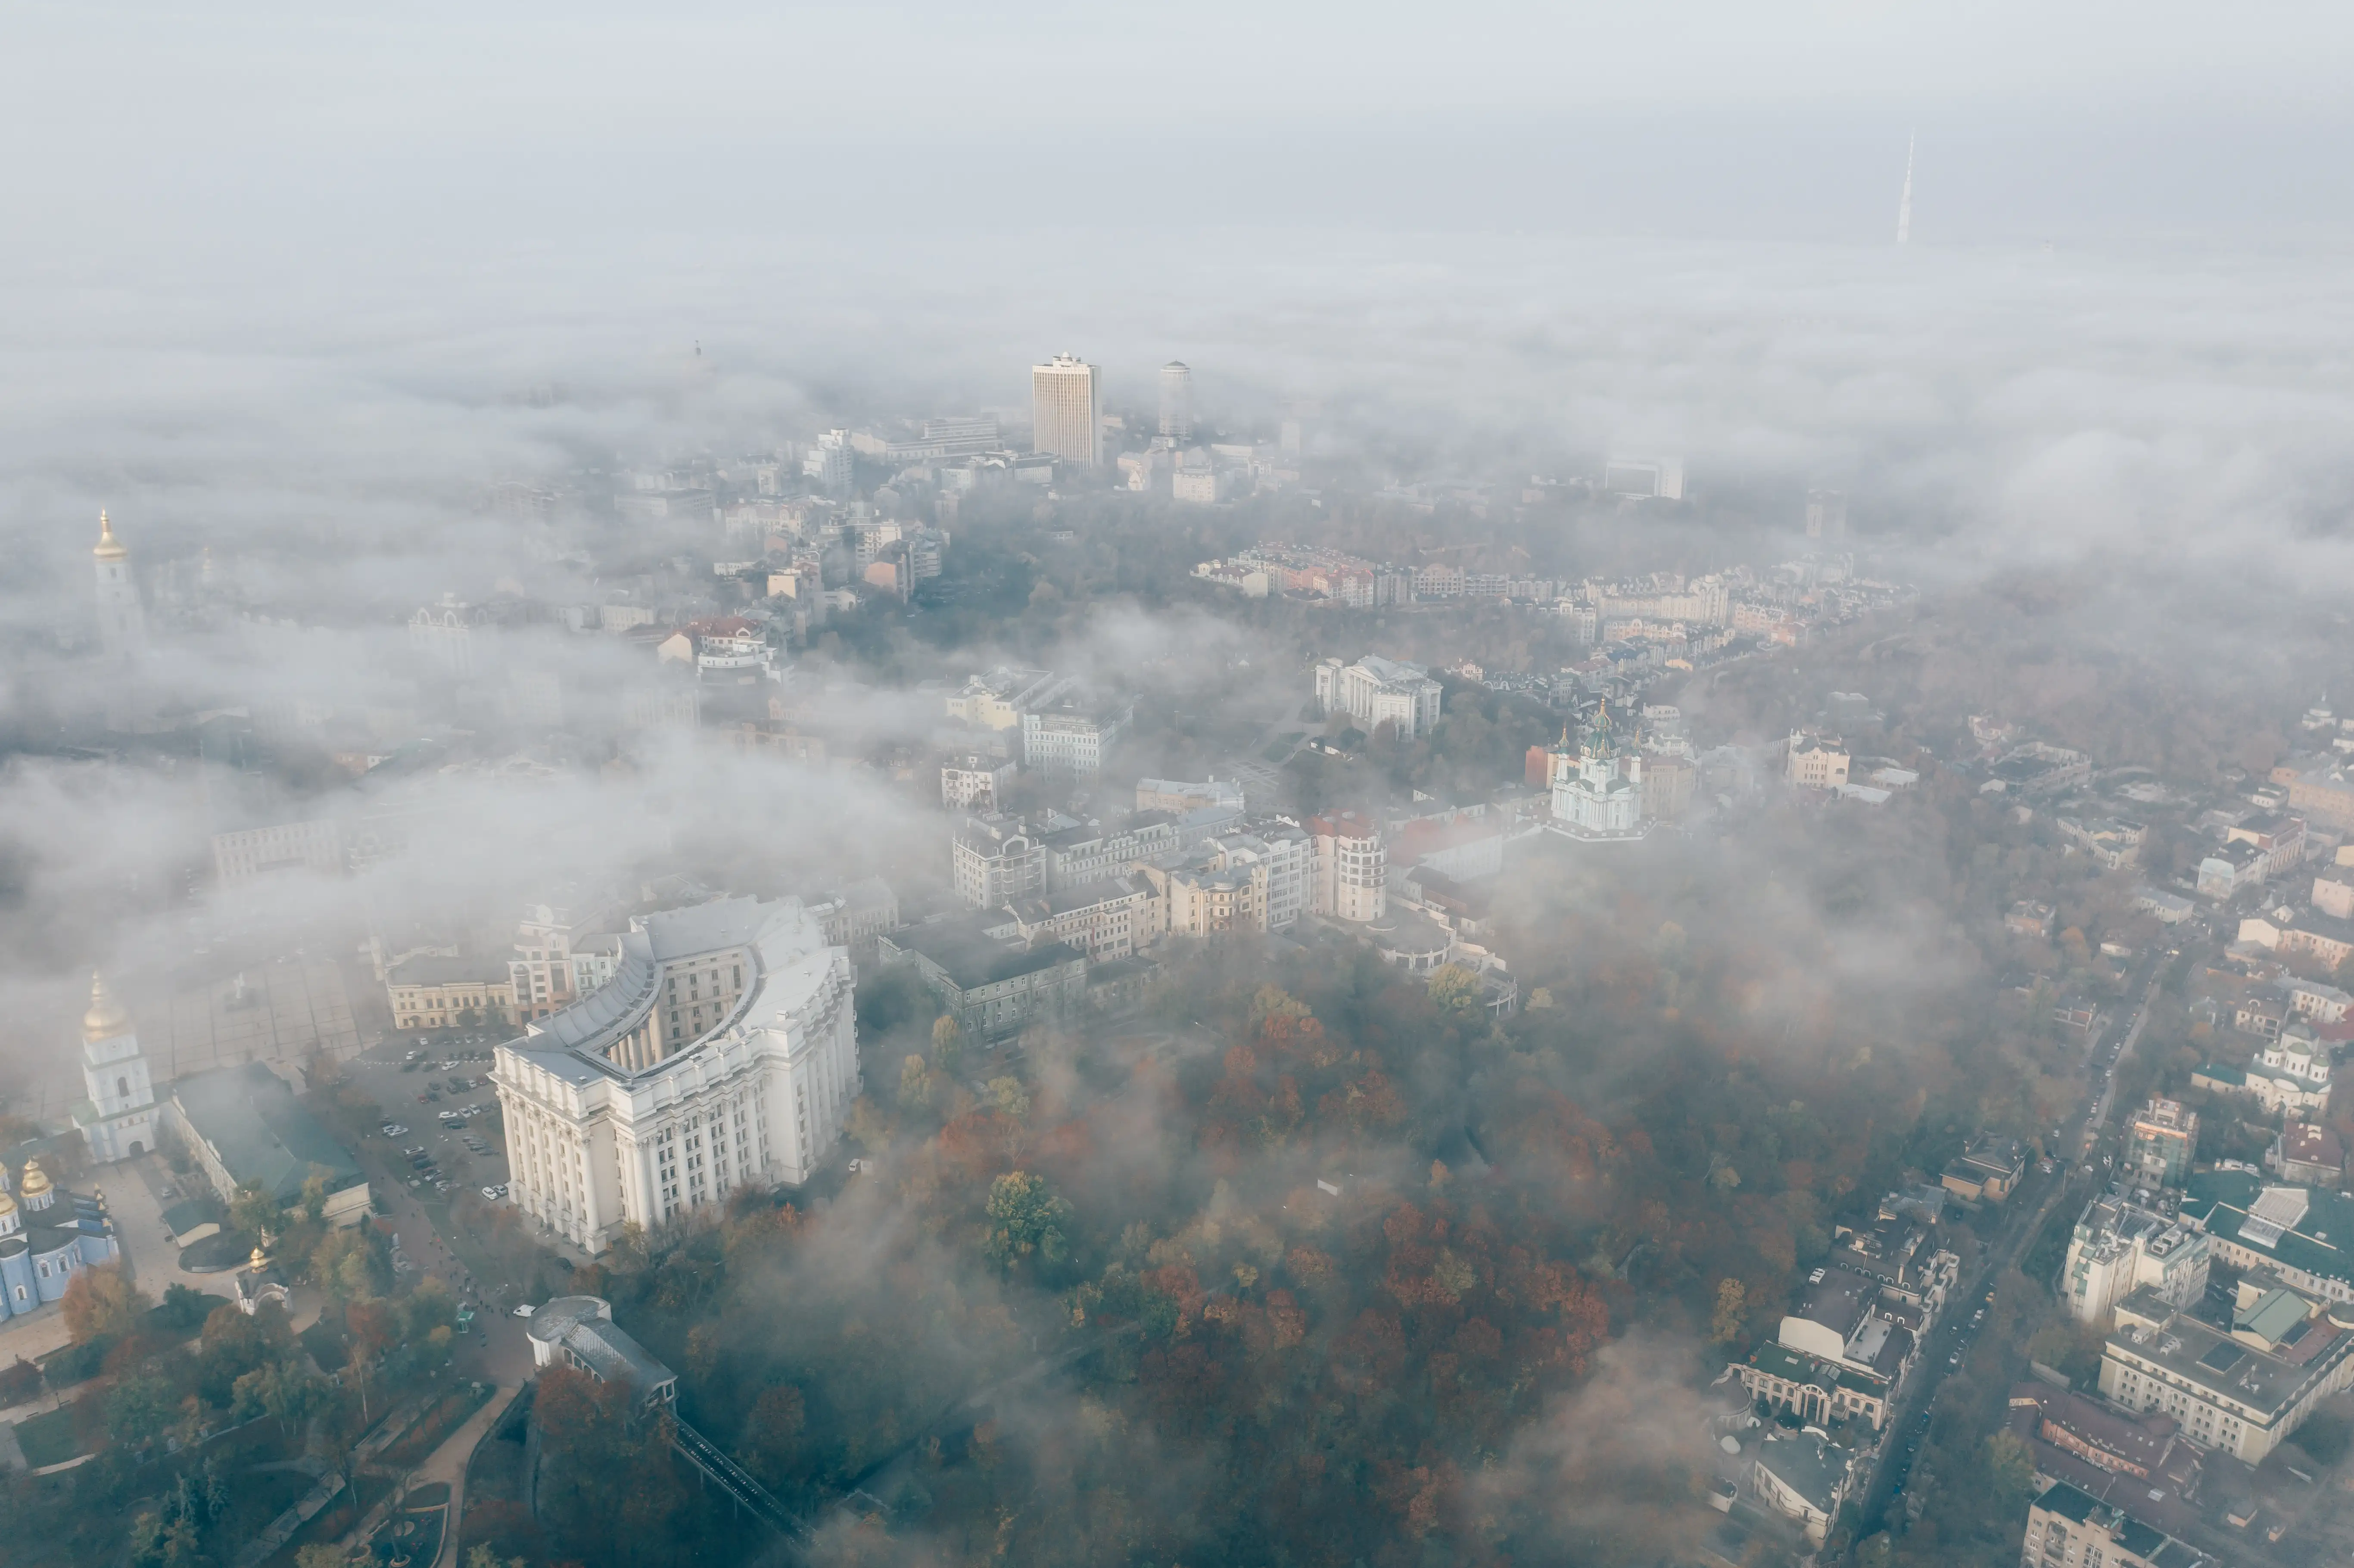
(122, 1087)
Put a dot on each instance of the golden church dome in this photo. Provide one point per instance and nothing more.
(110, 548)
(106, 1017)
(36, 1182)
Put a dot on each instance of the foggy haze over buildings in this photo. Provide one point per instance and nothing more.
(343, 321)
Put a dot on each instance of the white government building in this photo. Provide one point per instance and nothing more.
(1375, 690)
(723, 1054)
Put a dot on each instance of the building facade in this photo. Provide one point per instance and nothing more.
(1069, 736)
(724, 1054)
(1597, 792)
(2162, 1142)
(1066, 411)
(991, 986)
(994, 860)
(251, 853)
(121, 622)
(1816, 761)
(1177, 402)
(433, 992)
(2244, 1391)
(1375, 690)
(1350, 867)
(2119, 1248)
(2067, 1528)
(118, 1119)
(47, 1236)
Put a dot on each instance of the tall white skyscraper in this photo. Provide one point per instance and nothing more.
(1066, 410)
(1177, 401)
(121, 624)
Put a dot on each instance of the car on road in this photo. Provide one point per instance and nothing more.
(392, 1129)
(1955, 1359)
(524, 1309)
(492, 1193)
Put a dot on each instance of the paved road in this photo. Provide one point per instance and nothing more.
(1950, 1341)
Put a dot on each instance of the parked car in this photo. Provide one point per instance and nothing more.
(392, 1129)
(492, 1193)
(524, 1309)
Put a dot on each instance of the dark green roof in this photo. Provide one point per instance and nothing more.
(2322, 1245)
(253, 1120)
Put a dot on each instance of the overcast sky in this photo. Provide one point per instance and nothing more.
(410, 132)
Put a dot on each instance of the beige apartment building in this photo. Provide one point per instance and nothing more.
(1066, 410)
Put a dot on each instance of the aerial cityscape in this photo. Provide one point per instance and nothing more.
(781, 792)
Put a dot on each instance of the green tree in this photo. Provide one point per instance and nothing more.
(2010, 1469)
(1456, 991)
(948, 1042)
(255, 1213)
(1009, 1098)
(138, 1409)
(1026, 1219)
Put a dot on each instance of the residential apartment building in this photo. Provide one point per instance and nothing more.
(995, 859)
(2319, 787)
(856, 914)
(2067, 1528)
(1092, 850)
(2119, 1248)
(1257, 880)
(1070, 735)
(993, 986)
(724, 1054)
(1351, 868)
(1375, 690)
(973, 782)
(1106, 919)
(545, 973)
(996, 699)
(2162, 1142)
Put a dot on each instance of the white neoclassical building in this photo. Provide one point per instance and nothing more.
(723, 1054)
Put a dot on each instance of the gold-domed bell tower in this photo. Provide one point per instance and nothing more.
(118, 1119)
(121, 623)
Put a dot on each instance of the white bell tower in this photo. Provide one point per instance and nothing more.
(121, 623)
(118, 1121)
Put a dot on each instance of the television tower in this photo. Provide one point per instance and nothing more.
(1904, 202)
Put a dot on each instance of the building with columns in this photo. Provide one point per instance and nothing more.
(118, 1119)
(723, 1054)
